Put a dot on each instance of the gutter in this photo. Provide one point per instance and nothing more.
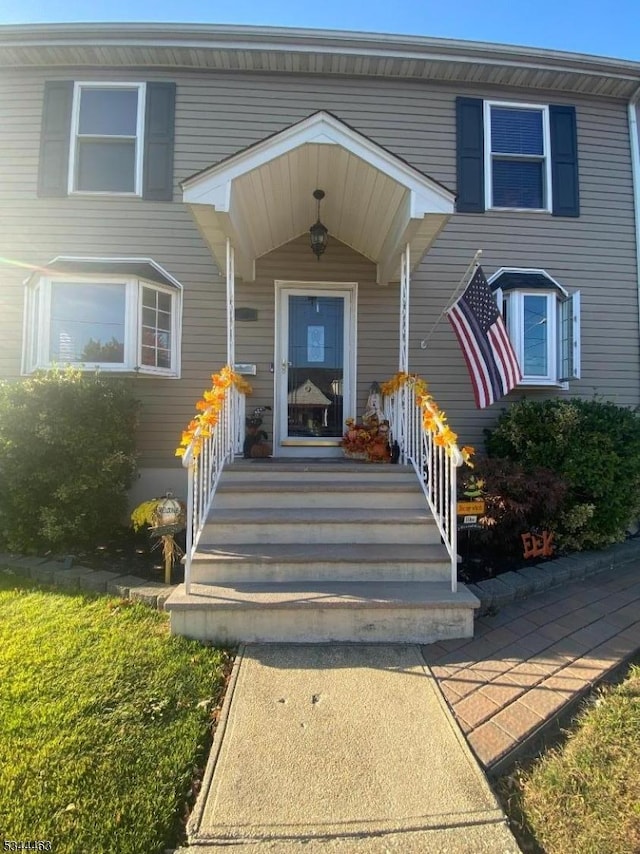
(380, 47)
(634, 141)
(388, 45)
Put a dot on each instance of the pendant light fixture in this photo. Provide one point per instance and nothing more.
(319, 233)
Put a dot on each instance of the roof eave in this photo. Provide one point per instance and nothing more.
(162, 45)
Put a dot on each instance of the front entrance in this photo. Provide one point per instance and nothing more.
(314, 367)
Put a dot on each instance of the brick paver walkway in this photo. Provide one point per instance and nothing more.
(534, 657)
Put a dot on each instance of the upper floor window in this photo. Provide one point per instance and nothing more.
(517, 162)
(512, 156)
(543, 322)
(108, 138)
(92, 318)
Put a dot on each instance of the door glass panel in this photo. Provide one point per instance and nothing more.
(315, 371)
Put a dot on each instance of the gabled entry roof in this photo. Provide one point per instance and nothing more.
(261, 198)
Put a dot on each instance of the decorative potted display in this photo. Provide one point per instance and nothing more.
(356, 440)
(368, 439)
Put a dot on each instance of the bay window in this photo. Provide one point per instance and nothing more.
(543, 322)
(93, 320)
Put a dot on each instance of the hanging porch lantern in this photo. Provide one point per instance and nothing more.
(319, 233)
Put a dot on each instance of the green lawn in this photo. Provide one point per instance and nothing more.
(583, 797)
(103, 719)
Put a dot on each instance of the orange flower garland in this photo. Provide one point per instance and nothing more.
(433, 418)
(209, 408)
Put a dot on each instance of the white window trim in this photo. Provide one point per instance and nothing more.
(175, 314)
(133, 324)
(546, 158)
(576, 340)
(515, 327)
(558, 294)
(140, 122)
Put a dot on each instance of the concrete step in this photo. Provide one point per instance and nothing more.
(254, 471)
(299, 562)
(289, 490)
(319, 525)
(317, 612)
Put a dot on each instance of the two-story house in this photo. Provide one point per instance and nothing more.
(159, 183)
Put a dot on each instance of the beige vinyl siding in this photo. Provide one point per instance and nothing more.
(219, 114)
(377, 313)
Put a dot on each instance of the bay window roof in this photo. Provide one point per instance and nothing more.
(510, 279)
(140, 268)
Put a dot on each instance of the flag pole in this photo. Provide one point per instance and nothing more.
(473, 266)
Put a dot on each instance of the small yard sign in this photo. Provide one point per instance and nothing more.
(470, 508)
(468, 512)
(538, 545)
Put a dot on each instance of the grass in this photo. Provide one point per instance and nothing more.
(583, 796)
(104, 718)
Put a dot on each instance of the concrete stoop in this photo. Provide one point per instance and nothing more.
(355, 612)
(298, 552)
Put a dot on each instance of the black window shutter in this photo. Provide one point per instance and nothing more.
(55, 137)
(470, 155)
(157, 182)
(564, 161)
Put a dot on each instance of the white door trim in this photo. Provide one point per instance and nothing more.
(284, 289)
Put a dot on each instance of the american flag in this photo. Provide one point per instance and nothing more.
(491, 360)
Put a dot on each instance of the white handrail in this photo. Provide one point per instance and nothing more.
(217, 447)
(435, 465)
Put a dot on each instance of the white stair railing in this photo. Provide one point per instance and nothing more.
(433, 455)
(211, 446)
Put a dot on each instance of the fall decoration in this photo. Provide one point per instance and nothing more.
(433, 418)
(367, 440)
(165, 517)
(209, 408)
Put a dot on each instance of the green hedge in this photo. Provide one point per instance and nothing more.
(67, 459)
(594, 447)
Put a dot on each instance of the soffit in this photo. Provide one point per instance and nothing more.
(262, 197)
(270, 49)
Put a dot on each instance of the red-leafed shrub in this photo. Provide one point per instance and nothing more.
(517, 501)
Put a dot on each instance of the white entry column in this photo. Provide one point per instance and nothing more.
(405, 276)
(403, 360)
(231, 302)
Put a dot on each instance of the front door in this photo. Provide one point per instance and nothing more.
(314, 367)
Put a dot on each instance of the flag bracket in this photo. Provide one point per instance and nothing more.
(484, 340)
(464, 281)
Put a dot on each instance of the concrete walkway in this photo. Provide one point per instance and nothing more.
(342, 748)
(355, 748)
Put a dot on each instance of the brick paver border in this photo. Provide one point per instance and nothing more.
(68, 577)
(533, 661)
